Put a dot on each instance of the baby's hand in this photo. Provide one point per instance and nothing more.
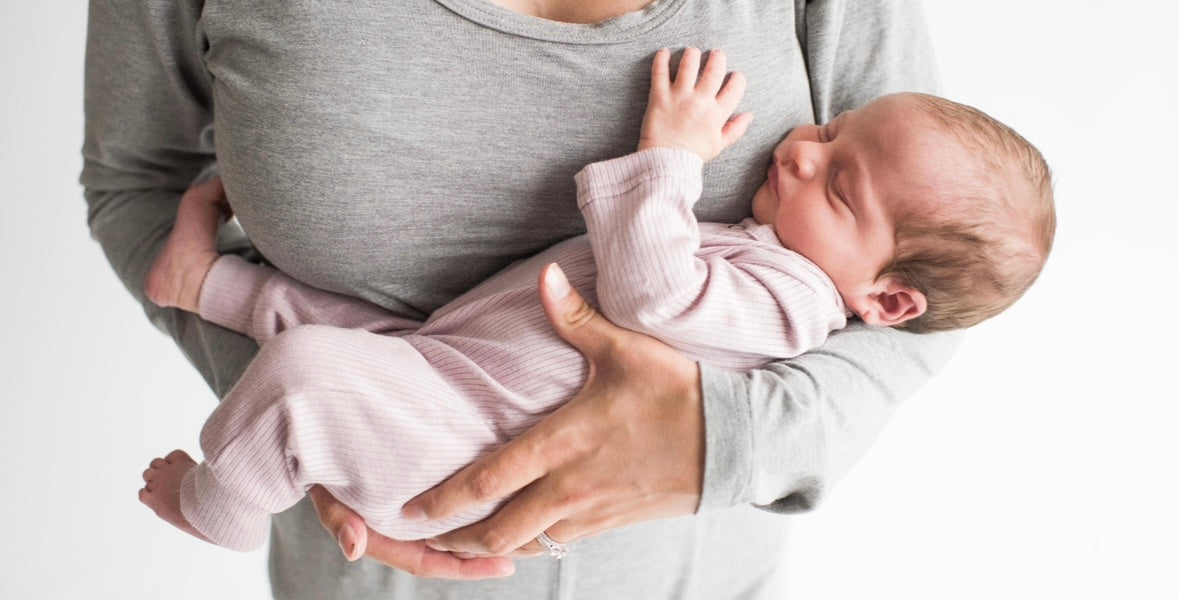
(176, 277)
(693, 114)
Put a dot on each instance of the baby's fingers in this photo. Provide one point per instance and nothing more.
(660, 73)
(713, 75)
(730, 95)
(735, 128)
(685, 77)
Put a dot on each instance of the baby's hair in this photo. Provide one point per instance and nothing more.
(988, 238)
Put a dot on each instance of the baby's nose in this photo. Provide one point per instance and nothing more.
(803, 158)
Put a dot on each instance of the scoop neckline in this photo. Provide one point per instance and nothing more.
(619, 29)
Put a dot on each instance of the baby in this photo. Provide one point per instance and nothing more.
(911, 212)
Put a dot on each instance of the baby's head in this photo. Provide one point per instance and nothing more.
(927, 214)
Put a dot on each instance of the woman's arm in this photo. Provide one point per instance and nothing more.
(148, 106)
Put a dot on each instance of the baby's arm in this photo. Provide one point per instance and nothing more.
(262, 302)
(726, 301)
(251, 299)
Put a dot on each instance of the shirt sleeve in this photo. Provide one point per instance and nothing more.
(262, 302)
(737, 303)
(857, 51)
(781, 437)
(148, 136)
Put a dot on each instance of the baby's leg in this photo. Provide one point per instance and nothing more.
(364, 415)
(176, 276)
(161, 489)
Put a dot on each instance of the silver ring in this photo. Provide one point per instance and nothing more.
(556, 549)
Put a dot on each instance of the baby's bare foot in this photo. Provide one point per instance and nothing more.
(161, 489)
(176, 276)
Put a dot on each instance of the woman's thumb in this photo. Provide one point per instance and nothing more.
(342, 522)
(571, 316)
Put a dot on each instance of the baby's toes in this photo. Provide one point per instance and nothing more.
(179, 457)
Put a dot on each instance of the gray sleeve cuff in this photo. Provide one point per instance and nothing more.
(728, 435)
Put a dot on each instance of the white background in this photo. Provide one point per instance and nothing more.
(1041, 464)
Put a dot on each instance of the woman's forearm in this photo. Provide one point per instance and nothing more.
(783, 436)
(148, 136)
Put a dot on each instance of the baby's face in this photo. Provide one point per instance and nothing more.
(833, 191)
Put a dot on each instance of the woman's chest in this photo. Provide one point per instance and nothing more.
(408, 156)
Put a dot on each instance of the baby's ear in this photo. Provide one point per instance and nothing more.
(891, 302)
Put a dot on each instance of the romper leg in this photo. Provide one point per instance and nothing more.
(362, 414)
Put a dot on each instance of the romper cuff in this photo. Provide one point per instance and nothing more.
(221, 515)
(618, 176)
(230, 291)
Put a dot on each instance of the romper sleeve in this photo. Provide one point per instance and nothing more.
(781, 437)
(262, 302)
(148, 136)
(737, 304)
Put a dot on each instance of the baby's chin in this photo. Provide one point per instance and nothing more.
(764, 205)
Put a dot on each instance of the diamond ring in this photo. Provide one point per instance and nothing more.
(556, 549)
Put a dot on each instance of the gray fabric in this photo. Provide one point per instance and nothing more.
(403, 153)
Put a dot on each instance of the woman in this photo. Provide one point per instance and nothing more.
(403, 154)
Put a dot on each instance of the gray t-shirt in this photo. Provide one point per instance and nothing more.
(403, 153)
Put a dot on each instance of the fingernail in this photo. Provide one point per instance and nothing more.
(413, 514)
(557, 283)
(465, 555)
(434, 544)
(347, 542)
(506, 570)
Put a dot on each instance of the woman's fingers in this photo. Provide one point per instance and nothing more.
(348, 529)
(418, 559)
(502, 473)
(512, 527)
(356, 540)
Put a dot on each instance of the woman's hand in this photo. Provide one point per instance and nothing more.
(415, 558)
(628, 448)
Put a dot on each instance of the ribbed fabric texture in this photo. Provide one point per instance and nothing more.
(349, 396)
